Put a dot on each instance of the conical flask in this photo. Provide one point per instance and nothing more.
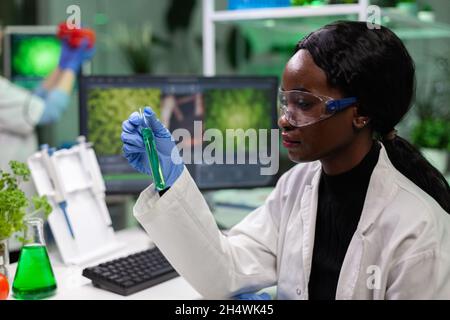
(34, 277)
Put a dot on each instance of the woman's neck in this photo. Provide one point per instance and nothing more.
(348, 156)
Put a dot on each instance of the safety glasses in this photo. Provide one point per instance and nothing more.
(303, 108)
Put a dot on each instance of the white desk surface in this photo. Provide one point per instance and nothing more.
(73, 286)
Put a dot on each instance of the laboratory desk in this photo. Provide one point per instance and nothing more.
(73, 286)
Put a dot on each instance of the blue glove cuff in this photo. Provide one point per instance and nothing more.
(40, 91)
(253, 296)
(175, 173)
(55, 104)
(73, 65)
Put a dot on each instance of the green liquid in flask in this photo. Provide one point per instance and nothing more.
(34, 276)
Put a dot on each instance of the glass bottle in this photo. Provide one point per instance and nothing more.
(34, 277)
(4, 257)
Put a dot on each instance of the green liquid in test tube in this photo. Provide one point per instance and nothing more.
(152, 155)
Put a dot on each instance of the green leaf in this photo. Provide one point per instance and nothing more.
(20, 169)
(13, 201)
(432, 133)
(41, 204)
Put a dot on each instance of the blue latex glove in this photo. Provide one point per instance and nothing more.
(134, 149)
(253, 296)
(72, 58)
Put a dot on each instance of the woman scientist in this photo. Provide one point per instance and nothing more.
(21, 110)
(359, 218)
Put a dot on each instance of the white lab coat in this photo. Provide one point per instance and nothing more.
(400, 250)
(20, 111)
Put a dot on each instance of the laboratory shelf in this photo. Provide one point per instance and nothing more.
(288, 24)
(285, 12)
(211, 16)
(409, 27)
(268, 35)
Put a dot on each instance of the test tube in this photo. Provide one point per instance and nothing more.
(152, 155)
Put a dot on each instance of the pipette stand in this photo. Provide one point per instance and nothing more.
(74, 176)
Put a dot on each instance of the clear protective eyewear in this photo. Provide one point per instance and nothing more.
(303, 108)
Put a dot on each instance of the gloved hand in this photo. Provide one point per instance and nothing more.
(72, 58)
(253, 296)
(134, 149)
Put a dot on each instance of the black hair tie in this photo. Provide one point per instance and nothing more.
(391, 135)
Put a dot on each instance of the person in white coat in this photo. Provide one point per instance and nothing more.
(362, 216)
(22, 110)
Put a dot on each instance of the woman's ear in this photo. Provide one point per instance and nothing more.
(359, 121)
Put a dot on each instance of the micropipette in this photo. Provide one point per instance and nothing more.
(59, 195)
(152, 154)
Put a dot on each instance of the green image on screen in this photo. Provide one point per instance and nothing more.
(34, 56)
(237, 109)
(108, 108)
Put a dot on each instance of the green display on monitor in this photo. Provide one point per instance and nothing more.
(205, 115)
(237, 108)
(244, 109)
(108, 108)
(34, 56)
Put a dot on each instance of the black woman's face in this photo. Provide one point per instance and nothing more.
(322, 139)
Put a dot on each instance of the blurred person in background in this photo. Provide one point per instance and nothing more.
(22, 110)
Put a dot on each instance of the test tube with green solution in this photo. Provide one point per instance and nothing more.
(152, 155)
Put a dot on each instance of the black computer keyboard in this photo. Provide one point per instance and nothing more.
(132, 273)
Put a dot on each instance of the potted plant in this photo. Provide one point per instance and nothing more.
(408, 6)
(384, 3)
(432, 132)
(137, 46)
(310, 2)
(426, 13)
(432, 136)
(16, 207)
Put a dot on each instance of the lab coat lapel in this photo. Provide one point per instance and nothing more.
(379, 193)
(308, 213)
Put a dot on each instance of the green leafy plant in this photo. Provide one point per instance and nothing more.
(427, 7)
(384, 3)
(433, 128)
(14, 204)
(339, 1)
(432, 133)
(137, 46)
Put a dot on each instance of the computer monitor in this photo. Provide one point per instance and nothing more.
(31, 53)
(190, 107)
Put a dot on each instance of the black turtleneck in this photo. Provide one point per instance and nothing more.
(340, 203)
